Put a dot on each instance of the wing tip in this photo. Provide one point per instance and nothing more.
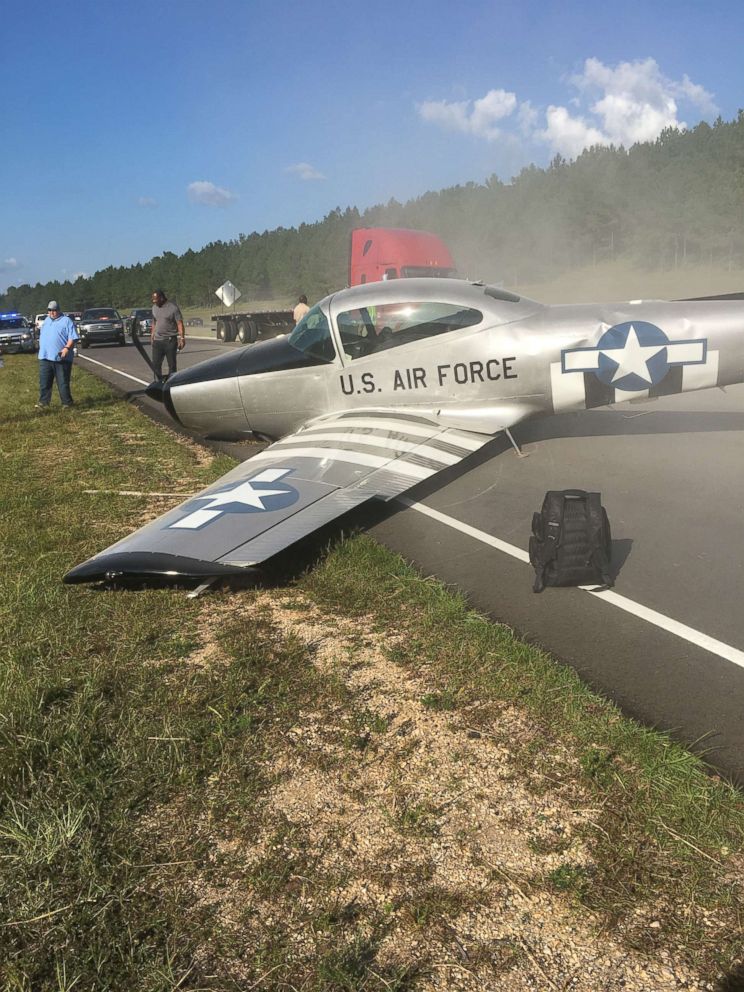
(149, 565)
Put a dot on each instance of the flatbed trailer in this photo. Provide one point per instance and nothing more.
(254, 326)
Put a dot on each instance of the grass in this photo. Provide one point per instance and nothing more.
(143, 737)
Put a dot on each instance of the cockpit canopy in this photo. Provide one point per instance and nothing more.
(380, 316)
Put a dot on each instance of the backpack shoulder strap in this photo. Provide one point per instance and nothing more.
(597, 518)
(552, 514)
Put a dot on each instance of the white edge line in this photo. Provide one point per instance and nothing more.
(702, 640)
(479, 535)
(126, 375)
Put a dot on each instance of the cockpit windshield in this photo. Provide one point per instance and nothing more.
(313, 336)
(370, 329)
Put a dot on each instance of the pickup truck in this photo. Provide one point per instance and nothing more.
(16, 334)
(139, 322)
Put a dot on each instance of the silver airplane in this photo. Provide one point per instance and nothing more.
(381, 386)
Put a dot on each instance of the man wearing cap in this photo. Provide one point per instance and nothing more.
(167, 334)
(57, 339)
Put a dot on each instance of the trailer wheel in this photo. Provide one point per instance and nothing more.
(244, 332)
(223, 331)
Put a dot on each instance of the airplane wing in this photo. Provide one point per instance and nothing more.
(286, 492)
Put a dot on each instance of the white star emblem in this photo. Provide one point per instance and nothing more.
(633, 357)
(246, 493)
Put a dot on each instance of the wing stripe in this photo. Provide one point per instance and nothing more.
(360, 441)
(436, 464)
(352, 455)
(462, 439)
(369, 428)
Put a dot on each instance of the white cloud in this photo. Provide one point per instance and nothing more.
(146, 201)
(452, 116)
(203, 191)
(568, 135)
(494, 106)
(304, 171)
(476, 117)
(634, 101)
(9, 264)
(621, 104)
(698, 96)
(527, 117)
(637, 102)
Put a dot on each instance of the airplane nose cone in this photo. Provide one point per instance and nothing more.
(156, 391)
(161, 391)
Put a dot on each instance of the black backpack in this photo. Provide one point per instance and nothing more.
(571, 544)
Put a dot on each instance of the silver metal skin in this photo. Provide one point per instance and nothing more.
(452, 388)
(367, 410)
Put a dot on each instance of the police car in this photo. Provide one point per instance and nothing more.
(16, 334)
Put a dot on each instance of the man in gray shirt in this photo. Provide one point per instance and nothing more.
(167, 334)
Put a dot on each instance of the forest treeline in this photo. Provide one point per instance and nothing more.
(674, 202)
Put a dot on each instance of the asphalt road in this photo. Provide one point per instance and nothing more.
(668, 643)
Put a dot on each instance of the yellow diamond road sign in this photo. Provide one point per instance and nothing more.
(228, 293)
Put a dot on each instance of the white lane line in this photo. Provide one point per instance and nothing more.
(479, 535)
(117, 371)
(613, 598)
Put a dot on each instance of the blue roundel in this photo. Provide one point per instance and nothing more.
(646, 342)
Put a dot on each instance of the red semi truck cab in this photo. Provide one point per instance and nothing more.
(396, 253)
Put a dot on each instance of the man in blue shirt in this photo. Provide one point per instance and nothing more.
(57, 339)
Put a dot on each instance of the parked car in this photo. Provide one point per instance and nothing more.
(139, 321)
(195, 322)
(101, 325)
(39, 320)
(16, 334)
(74, 316)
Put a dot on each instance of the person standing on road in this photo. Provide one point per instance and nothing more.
(57, 339)
(300, 310)
(168, 335)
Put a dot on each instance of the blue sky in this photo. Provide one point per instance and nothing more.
(129, 129)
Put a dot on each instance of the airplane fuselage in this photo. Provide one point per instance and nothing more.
(463, 354)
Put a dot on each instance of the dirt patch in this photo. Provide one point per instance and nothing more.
(203, 456)
(412, 826)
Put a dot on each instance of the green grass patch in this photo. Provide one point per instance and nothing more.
(439, 701)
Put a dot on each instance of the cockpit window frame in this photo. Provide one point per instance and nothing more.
(377, 333)
(312, 350)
